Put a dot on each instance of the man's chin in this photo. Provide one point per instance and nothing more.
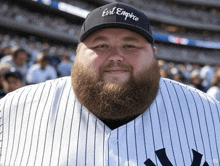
(116, 83)
(119, 80)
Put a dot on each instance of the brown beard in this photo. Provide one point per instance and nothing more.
(111, 102)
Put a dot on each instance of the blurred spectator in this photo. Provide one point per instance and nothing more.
(64, 68)
(3, 84)
(179, 77)
(196, 81)
(163, 73)
(185, 73)
(41, 71)
(18, 60)
(14, 80)
(5, 51)
(214, 90)
(207, 73)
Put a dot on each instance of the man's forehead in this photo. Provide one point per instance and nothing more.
(115, 33)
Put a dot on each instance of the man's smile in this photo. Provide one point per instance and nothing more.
(116, 71)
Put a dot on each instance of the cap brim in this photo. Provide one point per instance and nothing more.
(142, 32)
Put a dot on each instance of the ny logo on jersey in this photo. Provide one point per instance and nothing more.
(162, 156)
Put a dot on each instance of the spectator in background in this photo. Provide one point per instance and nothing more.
(41, 71)
(165, 69)
(196, 81)
(185, 73)
(163, 73)
(14, 80)
(17, 60)
(207, 73)
(3, 84)
(64, 68)
(179, 77)
(5, 50)
(214, 90)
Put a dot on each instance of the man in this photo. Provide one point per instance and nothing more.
(65, 66)
(18, 60)
(14, 80)
(41, 71)
(114, 110)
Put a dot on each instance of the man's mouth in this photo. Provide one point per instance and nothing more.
(116, 71)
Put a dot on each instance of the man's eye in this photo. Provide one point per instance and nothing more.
(130, 46)
(101, 46)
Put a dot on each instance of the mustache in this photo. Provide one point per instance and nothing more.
(119, 65)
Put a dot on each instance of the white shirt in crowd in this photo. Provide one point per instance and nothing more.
(214, 92)
(37, 75)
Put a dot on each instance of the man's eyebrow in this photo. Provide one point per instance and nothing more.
(99, 38)
(134, 39)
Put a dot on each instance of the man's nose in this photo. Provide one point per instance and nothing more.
(116, 55)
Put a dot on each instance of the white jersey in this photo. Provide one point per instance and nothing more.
(45, 125)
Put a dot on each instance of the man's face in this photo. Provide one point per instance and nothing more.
(115, 55)
(21, 59)
(115, 74)
(14, 83)
(43, 64)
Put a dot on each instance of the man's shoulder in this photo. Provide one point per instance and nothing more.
(50, 68)
(166, 82)
(62, 81)
(182, 91)
(34, 67)
(43, 87)
(7, 59)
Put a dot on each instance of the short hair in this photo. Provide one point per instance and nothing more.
(42, 56)
(17, 51)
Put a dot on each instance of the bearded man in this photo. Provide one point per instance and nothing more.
(115, 75)
(114, 109)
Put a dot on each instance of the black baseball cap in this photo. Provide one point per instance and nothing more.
(116, 15)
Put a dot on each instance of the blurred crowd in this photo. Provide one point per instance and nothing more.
(24, 62)
(205, 78)
(27, 61)
(21, 14)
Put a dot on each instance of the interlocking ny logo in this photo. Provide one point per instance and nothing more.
(162, 156)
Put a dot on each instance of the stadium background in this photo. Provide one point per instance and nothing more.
(186, 31)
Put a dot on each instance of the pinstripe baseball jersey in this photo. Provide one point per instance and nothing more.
(45, 125)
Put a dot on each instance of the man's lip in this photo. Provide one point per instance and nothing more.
(119, 70)
(115, 69)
